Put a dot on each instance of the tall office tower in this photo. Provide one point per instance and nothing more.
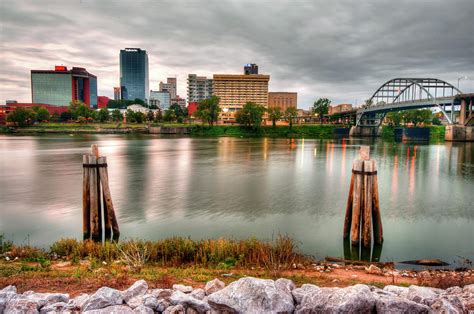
(169, 86)
(250, 68)
(60, 86)
(134, 74)
(235, 90)
(199, 88)
(117, 93)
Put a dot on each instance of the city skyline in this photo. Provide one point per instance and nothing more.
(342, 51)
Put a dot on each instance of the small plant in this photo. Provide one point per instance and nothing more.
(135, 254)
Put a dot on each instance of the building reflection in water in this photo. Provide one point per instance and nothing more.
(395, 177)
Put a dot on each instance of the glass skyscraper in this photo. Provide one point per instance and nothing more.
(134, 74)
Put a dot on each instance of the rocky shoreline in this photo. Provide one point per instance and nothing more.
(246, 295)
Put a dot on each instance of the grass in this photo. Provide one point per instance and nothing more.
(279, 253)
(307, 130)
(437, 133)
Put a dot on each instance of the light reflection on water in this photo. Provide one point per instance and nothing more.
(231, 187)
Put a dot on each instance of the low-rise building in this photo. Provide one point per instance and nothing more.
(282, 100)
(339, 109)
(161, 99)
(102, 102)
(60, 86)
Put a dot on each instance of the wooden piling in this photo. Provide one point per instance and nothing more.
(94, 198)
(95, 195)
(367, 212)
(376, 214)
(348, 218)
(86, 210)
(356, 202)
(111, 222)
(363, 211)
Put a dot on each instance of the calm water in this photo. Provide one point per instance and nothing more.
(230, 187)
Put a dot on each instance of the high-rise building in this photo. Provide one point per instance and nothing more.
(250, 68)
(117, 94)
(169, 86)
(235, 90)
(60, 86)
(160, 99)
(282, 100)
(199, 88)
(134, 74)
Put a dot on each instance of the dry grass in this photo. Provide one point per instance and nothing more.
(274, 255)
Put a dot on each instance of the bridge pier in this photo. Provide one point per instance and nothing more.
(364, 131)
(459, 133)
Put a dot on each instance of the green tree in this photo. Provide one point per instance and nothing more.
(65, 116)
(394, 118)
(42, 114)
(169, 115)
(179, 112)
(139, 101)
(21, 116)
(55, 117)
(251, 115)
(103, 115)
(416, 116)
(117, 116)
(140, 117)
(150, 116)
(274, 114)
(130, 116)
(321, 107)
(436, 121)
(79, 109)
(291, 114)
(208, 110)
(159, 116)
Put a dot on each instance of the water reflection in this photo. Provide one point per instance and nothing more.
(243, 187)
(361, 253)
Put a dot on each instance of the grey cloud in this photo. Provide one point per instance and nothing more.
(338, 49)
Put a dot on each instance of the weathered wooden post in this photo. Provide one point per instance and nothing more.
(362, 210)
(95, 175)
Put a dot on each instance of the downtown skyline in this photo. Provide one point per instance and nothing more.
(342, 51)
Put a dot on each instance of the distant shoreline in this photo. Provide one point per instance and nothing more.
(316, 131)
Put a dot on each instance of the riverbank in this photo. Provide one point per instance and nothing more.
(297, 131)
(83, 266)
(245, 295)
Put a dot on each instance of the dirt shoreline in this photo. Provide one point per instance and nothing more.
(83, 277)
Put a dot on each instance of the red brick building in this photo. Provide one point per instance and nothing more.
(192, 107)
(102, 102)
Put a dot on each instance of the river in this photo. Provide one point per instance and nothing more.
(239, 188)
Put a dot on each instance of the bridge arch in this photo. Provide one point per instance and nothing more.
(409, 93)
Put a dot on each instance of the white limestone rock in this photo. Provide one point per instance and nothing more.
(354, 299)
(252, 295)
(214, 286)
(104, 297)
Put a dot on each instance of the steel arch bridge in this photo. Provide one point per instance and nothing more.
(407, 93)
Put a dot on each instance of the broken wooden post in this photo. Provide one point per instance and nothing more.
(110, 219)
(362, 210)
(95, 176)
(86, 209)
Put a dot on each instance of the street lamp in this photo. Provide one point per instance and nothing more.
(462, 78)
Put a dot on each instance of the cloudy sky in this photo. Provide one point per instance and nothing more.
(342, 50)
